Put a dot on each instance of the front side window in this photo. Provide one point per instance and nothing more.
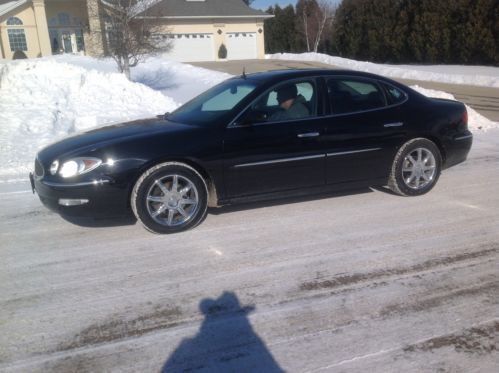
(350, 95)
(287, 101)
(213, 104)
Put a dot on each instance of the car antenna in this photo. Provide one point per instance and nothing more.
(244, 72)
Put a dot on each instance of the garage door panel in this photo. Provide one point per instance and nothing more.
(192, 47)
(241, 45)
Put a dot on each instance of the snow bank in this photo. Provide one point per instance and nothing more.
(43, 100)
(178, 80)
(476, 121)
(470, 75)
(174, 79)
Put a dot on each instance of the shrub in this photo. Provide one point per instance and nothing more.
(222, 52)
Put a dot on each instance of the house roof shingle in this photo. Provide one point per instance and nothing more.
(202, 8)
(8, 5)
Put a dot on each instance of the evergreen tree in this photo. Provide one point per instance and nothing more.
(280, 31)
(423, 31)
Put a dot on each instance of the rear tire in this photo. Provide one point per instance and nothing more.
(170, 197)
(416, 168)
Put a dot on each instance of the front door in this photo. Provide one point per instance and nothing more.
(67, 41)
(268, 152)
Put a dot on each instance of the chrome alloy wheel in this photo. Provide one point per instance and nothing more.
(172, 200)
(419, 168)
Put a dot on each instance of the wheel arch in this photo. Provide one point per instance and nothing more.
(439, 145)
(210, 184)
(434, 139)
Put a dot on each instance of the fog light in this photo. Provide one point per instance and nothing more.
(72, 202)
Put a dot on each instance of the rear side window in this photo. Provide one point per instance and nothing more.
(350, 95)
(393, 94)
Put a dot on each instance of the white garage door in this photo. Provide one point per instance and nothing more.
(192, 47)
(241, 45)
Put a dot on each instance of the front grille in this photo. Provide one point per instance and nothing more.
(38, 168)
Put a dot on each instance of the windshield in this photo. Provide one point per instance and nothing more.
(213, 104)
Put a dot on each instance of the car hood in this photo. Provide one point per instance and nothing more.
(109, 135)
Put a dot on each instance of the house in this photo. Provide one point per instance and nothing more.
(197, 28)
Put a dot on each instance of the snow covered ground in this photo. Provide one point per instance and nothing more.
(470, 75)
(46, 99)
(361, 282)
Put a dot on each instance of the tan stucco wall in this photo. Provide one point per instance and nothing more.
(27, 16)
(212, 25)
(42, 27)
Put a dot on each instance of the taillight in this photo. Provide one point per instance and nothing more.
(465, 118)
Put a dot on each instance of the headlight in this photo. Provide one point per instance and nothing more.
(78, 166)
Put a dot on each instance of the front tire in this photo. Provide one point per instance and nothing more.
(416, 168)
(170, 197)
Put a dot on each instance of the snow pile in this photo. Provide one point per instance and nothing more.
(174, 79)
(43, 100)
(476, 121)
(178, 80)
(470, 75)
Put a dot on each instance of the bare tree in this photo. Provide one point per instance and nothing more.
(315, 17)
(324, 15)
(305, 15)
(132, 36)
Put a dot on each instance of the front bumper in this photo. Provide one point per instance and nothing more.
(100, 197)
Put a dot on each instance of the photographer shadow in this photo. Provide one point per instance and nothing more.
(226, 342)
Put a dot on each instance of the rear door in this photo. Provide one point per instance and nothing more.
(363, 131)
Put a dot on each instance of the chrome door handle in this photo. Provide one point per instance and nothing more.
(395, 124)
(308, 134)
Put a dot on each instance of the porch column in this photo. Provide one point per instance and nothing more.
(42, 29)
(94, 43)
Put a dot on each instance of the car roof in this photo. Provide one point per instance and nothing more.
(278, 75)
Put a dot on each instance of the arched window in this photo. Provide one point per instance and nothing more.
(14, 21)
(17, 37)
(64, 19)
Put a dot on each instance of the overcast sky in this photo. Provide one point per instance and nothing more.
(264, 4)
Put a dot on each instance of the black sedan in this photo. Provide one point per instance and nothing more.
(257, 136)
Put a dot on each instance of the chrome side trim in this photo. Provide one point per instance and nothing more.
(353, 152)
(308, 134)
(73, 185)
(463, 137)
(282, 160)
(396, 124)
